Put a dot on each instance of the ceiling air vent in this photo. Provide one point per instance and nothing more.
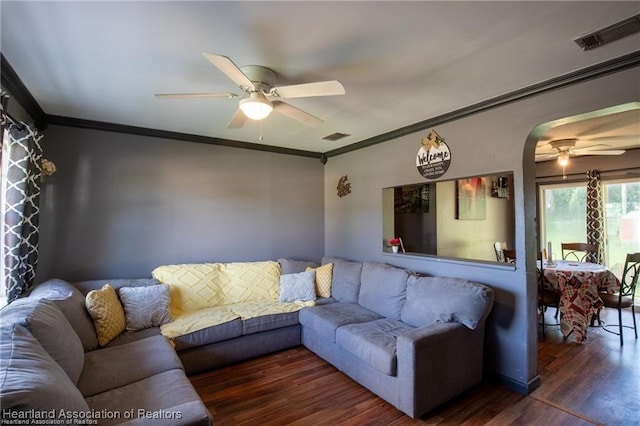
(608, 34)
(335, 136)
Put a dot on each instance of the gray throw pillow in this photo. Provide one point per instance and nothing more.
(145, 307)
(299, 286)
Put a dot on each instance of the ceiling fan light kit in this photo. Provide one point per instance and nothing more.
(563, 158)
(256, 107)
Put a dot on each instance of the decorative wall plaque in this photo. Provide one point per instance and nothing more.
(434, 156)
(344, 187)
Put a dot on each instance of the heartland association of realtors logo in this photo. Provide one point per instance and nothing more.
(434, 156)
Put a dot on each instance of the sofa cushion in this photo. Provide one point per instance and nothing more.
(118, 283)
(107, 313)
(201, 319)
(133, 336)
(71, 302)
(325, 319)
(145, 307)
(373, 342)
(48, 325)
(269, 322)
(323, 279)
(345, 281)
(383, 289)
(169, 395)
(212, 334)
(292, 266)
(300, 286)
(445, 299)
(30, 379)
(109, 368)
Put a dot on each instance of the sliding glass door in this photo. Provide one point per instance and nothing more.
(563, 218)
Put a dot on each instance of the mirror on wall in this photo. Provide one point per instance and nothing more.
(461, 218)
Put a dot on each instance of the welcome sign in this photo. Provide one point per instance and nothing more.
(434, 156)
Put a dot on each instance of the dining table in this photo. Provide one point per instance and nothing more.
(578, 284)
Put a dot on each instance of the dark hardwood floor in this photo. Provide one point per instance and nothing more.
(597, 383)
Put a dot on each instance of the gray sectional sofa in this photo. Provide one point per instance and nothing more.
(415, 341)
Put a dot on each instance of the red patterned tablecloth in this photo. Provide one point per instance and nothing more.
(578, 284)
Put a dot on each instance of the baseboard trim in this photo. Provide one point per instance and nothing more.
(520, 387)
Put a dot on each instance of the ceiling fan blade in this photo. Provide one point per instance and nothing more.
(237, 120)
(194, 95)
(295, 113)
(320, 88)
(230, 69)
(545, 156)
(593, 152)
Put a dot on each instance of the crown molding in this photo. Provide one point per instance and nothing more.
(16, 88)
(164, 134)
(611, 66)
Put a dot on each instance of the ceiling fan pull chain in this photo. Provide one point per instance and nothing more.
(260, 138)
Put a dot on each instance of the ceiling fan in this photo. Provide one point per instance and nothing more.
(262, 95)
(564, 148)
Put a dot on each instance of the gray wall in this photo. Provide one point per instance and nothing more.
(120, 205)
(498, 140)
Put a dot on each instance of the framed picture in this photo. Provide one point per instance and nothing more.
(471, 199)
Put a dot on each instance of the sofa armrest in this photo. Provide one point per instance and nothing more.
(436, 363)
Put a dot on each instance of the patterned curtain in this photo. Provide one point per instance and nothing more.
(21, 189)
(595, 215)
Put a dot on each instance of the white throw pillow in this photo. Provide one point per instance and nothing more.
(299, 286)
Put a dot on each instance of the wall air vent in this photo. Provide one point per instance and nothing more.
(608, 34)
(335, 136)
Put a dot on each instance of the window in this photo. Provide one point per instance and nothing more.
(563, 218)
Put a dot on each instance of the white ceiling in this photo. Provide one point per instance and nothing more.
(400, 62)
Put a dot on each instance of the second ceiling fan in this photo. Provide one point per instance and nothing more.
(262, 95)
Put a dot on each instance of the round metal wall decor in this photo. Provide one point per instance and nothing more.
(434, 156)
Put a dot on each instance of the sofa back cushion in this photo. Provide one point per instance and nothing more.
(206, 285)
(383, 289)
(118, 283)
(72, 304)
(48, 325)
(31, 379)
(345, 279)
(292, 266)
(445, 299)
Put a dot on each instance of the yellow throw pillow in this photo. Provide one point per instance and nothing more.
(324, 276)
(107, 313)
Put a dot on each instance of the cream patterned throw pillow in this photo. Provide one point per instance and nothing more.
(107, 313)
(324, 275)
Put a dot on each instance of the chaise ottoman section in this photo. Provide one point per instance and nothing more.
(373, 342)
(167, 398)
(324, 320)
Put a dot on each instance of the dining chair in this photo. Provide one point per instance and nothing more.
(582, 252)
(546, 298)
(624, 298)
(498, 247)
(509, 255)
